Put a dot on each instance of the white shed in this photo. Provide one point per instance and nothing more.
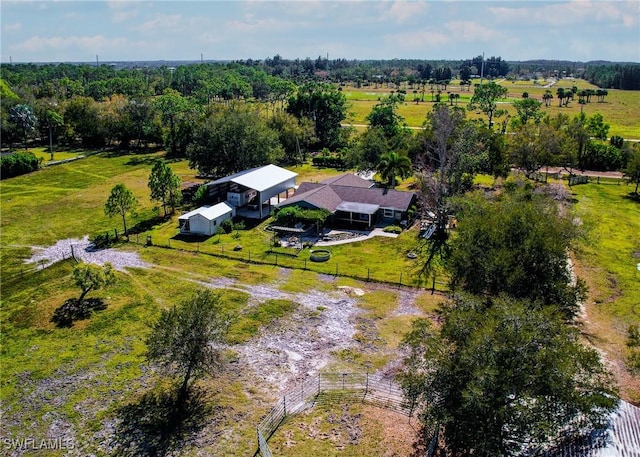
(206, 219)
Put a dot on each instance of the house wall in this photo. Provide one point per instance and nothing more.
(201, 225)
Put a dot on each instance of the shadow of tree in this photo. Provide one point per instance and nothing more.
(148, 224)
(431, 252)
(159, 423)
(188, 238)
(633, 196)
(74, 310)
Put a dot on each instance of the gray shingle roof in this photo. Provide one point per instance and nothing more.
(330, 196)
(348, 179)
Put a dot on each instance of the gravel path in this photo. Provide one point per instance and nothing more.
(83, 250)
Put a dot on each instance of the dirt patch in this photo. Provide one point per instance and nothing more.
(295, 348)
(83, 249)
(406, 304)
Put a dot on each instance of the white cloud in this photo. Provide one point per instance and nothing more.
(122, 11)
(419, 39)
(471, 31)
(162, 23)
(11, 28)
(91, 44)
(568, 13)
(402, 11)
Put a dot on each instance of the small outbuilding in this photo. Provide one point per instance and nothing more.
(206, 219)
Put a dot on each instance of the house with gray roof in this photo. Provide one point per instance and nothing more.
(353, 201)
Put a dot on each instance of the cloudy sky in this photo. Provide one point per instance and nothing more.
(72, 31)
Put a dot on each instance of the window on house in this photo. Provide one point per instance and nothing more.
(388, 212)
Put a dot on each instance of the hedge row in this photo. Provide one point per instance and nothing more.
(329, 161)
(18, 163)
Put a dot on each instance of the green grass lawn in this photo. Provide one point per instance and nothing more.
(607, 259)
(85, 374)
(44, 154)
(102, 358)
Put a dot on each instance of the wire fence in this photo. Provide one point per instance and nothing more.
(330, 389)
(575, 179)
(280, 258)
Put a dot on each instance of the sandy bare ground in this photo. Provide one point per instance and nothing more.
(82, 249)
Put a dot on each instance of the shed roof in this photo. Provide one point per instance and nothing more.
(260, 179)
(621, 438)
(209, 212)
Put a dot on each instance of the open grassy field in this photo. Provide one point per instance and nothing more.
(91, 383)
(607, 260)
(619, 108)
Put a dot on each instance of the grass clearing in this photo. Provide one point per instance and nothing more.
(607, 260)
(351, 430)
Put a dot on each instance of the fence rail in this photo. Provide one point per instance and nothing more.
(331, 389)
(273, 258)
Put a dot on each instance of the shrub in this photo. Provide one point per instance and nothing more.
(603, 157)
(291, 215)
(200, 196)
(616, 141)
(329, 161)
(103, 240)
(392, 229)
(227, 226)
(18, 163)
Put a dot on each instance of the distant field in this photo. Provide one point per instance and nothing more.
(620, 108)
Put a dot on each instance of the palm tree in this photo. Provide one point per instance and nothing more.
(25, 120)
(601, 94)
(561, 95)
(394, 165)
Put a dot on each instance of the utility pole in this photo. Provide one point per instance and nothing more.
(482, 69)
(97, 62)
